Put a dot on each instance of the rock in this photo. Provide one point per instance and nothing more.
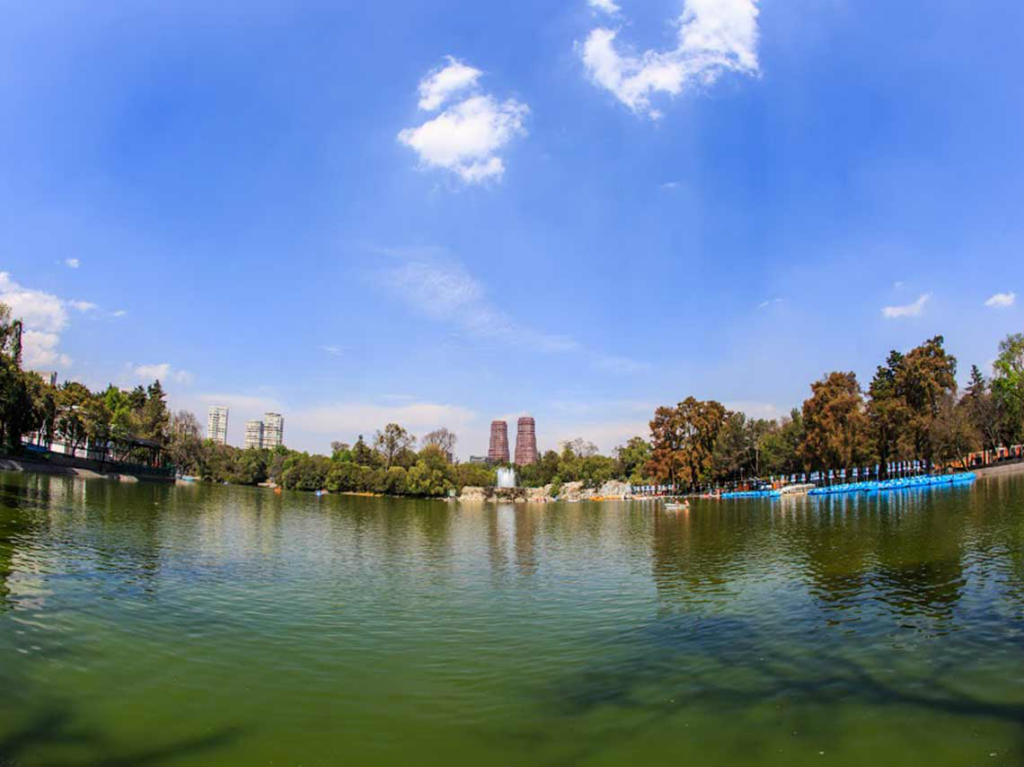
(614, 489)
(476, 494)
(571, 491)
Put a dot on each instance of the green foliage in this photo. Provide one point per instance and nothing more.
(476, 475)
(1008, 385)
(632, 459)
(432, 475)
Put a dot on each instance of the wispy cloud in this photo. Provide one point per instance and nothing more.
(82, 306)
(770, 302)
(349, 418)
(334, 351)
(715, 36)
(914, 309)
(1001, 300)
(616, 364)
(252, 403)
(467, 136)
(72, 263)
(446, 292)
(753, 409)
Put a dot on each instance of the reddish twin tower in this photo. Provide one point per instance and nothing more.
(526, 442)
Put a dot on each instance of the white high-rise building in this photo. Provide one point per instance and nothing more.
(217, 424)
(273, 430)
(254, 434)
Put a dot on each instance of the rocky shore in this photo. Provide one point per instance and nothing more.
(569, 491)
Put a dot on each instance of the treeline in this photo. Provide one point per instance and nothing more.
(911, 411)
(390, 464)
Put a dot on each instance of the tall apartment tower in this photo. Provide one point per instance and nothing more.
(217, 424)
(498, 450)
(273, 430)
(526, 441)
(253, 434)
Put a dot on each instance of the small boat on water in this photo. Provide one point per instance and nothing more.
(677, 505)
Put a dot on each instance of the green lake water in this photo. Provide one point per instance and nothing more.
(145, 624)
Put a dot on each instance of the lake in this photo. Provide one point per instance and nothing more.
(148, 624)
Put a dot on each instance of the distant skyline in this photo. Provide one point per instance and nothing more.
(447, 214)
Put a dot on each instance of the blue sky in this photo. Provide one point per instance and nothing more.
(441, 213)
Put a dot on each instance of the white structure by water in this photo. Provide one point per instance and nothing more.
(506, 478)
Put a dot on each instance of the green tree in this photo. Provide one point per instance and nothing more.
(632, 458)
(392, 442)
(432, 475)
(780, 446)
(1008, 384)
(153, 417)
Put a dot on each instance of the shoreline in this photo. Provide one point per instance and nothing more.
(27, 465)
(1000, 470)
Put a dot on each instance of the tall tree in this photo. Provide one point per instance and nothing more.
(983, 409)
(632, 458)
(443, 439)
(683, 441)
(925, 379)
(392, 442)
(837, 432)
(1008, 384)
(780, 447)
(153, 416)
(953, 436)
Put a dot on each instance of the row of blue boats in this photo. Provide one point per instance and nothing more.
(900, 483)
(874, 486)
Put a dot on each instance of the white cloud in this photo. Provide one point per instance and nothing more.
(438, 86)
(39, 350)
(770, 302)
(466, 137)
(37, 310)
(43, 316)
(914, 309)
(162, 372)
(605, 6)
(715, 36)
(1001, 300)
(73, 263)
(82, 306)
(120, 313)
(334, 351)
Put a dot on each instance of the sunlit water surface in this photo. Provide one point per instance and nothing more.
(147, 624)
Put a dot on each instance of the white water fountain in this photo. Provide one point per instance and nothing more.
(506, 478)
